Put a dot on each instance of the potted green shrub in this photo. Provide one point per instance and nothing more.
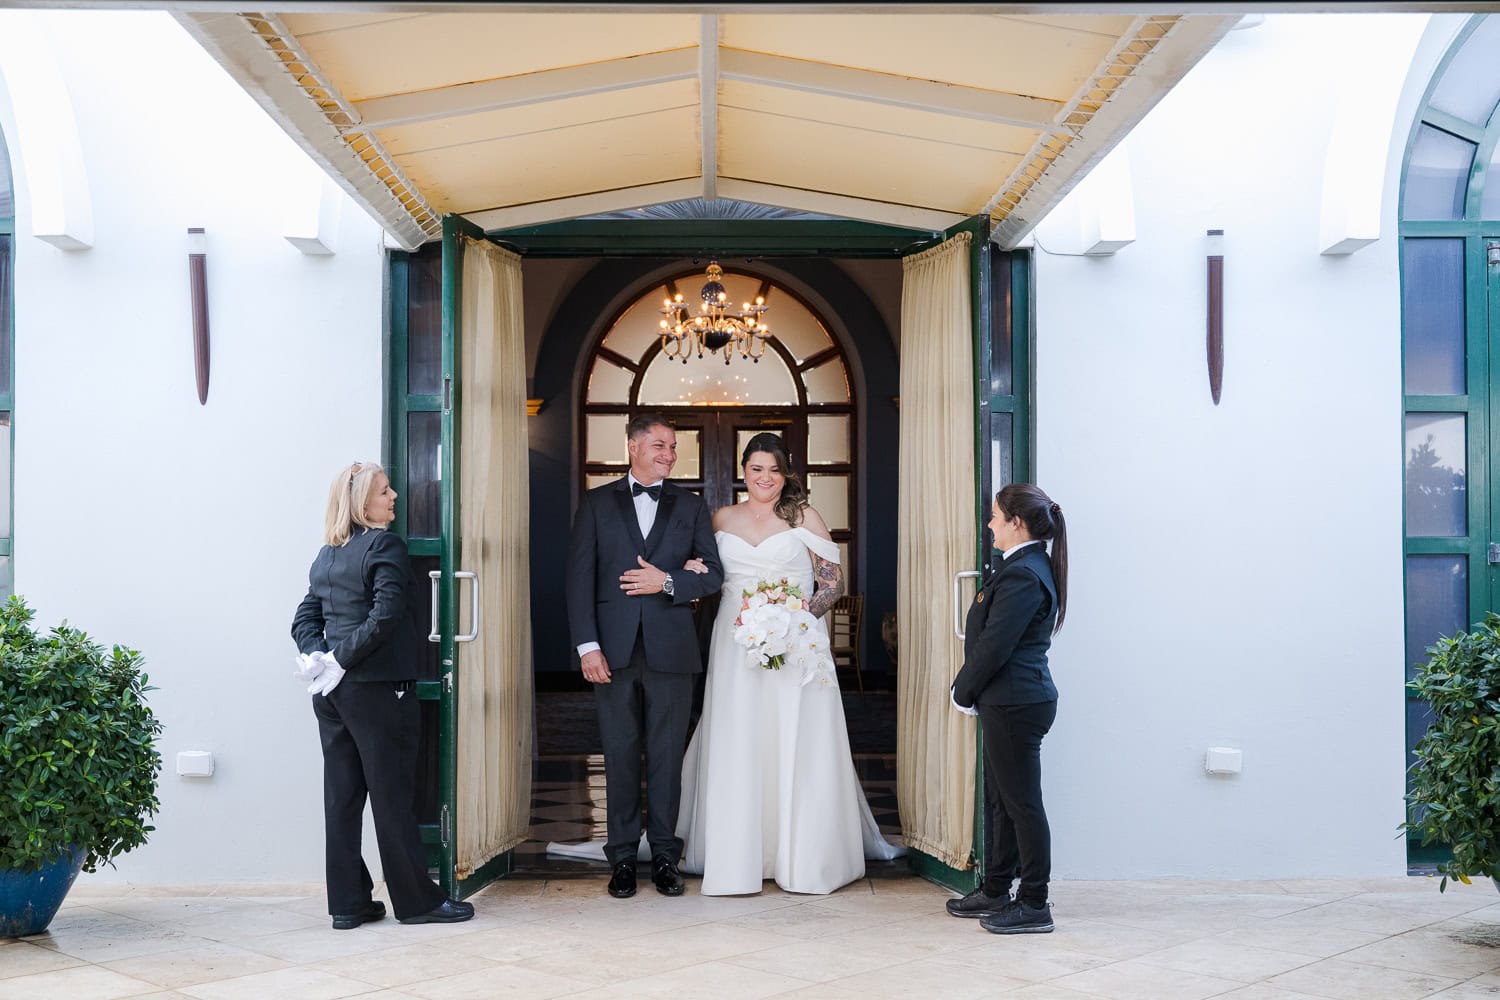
(1454, 796)
(78, 763)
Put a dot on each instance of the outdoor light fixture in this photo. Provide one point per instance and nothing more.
(1216, 313)
(198, 278)
(715, 327)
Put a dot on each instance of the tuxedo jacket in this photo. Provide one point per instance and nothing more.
(359, 604)
(605, 543)
(1007, 635)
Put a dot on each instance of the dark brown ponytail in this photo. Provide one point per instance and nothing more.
(1045, 522)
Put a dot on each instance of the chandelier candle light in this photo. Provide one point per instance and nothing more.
(715, 327)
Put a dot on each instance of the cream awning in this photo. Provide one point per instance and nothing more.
(514, 117)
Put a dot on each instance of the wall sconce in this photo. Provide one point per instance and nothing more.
(1216, 313)
(198, 279)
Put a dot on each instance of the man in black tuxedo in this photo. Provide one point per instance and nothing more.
(632, 623)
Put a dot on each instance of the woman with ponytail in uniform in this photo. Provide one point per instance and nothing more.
(1005, 681)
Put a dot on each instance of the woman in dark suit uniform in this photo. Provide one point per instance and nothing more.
(1005, 677)
(357, 623)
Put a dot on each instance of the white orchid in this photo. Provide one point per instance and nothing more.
(772, 623)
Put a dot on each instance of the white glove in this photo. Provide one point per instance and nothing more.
(329, 678)
(966, 709)
(309, 666)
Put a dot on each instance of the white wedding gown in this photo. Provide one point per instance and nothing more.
(768, 784)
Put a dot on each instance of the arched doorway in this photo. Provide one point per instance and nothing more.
(1450, 294)
(800, 388)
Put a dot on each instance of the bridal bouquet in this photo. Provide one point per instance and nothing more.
(776, 628)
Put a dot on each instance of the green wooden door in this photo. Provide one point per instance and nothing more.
(424, 402)
(1452, 451)
(999, 287)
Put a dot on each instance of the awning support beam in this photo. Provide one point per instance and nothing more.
(528, 88)
(889, 89)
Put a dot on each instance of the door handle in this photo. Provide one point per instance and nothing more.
(436, 636)
(473, 579)
(958, 600)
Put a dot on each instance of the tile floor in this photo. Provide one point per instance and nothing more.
(553, 932)
(1383, 939)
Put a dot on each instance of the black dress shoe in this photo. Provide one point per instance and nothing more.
(371, 911)
(622, 880)
(977, 904)
(446, 912)
(668, 880)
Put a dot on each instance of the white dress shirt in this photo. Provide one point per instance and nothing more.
(1017, 548)
(645, 507)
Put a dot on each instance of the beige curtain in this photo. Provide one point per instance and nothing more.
(934, 743)
(494, 671)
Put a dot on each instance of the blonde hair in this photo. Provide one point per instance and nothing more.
(346, 501)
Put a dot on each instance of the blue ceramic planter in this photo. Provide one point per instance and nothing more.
(29, 900)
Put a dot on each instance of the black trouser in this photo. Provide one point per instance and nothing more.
(651, 706)
(1020, 842)
(370, 750)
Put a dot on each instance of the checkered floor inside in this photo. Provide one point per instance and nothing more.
(567, 806)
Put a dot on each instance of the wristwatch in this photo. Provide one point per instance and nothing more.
(666, 585)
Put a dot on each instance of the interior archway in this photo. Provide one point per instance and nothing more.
(800, 388)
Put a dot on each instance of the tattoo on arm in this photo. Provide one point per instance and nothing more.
(829, 579)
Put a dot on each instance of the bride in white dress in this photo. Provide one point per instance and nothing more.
(769, 788)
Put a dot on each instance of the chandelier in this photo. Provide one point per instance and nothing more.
(714, 327)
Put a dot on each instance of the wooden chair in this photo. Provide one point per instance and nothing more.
(843, 634)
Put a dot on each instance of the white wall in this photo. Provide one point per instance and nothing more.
(147, 519)
(1237, 569)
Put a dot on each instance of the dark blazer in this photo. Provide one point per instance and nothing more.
(1007, 634)
(359, 603)
(605, 543)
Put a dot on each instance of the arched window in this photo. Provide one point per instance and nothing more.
(1450, 315)
(799, 388)
(7, 381)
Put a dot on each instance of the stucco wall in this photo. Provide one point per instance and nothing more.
(145, 518)
(1237, 568)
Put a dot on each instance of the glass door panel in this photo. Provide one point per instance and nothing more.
(1450, 320)
(1436, 475)
(828, 439)
(1432, 316)
(1437, 602)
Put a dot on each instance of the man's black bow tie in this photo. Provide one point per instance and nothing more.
(654, 492)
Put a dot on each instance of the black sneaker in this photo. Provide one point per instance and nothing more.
(1020, 918)
(977, 904)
